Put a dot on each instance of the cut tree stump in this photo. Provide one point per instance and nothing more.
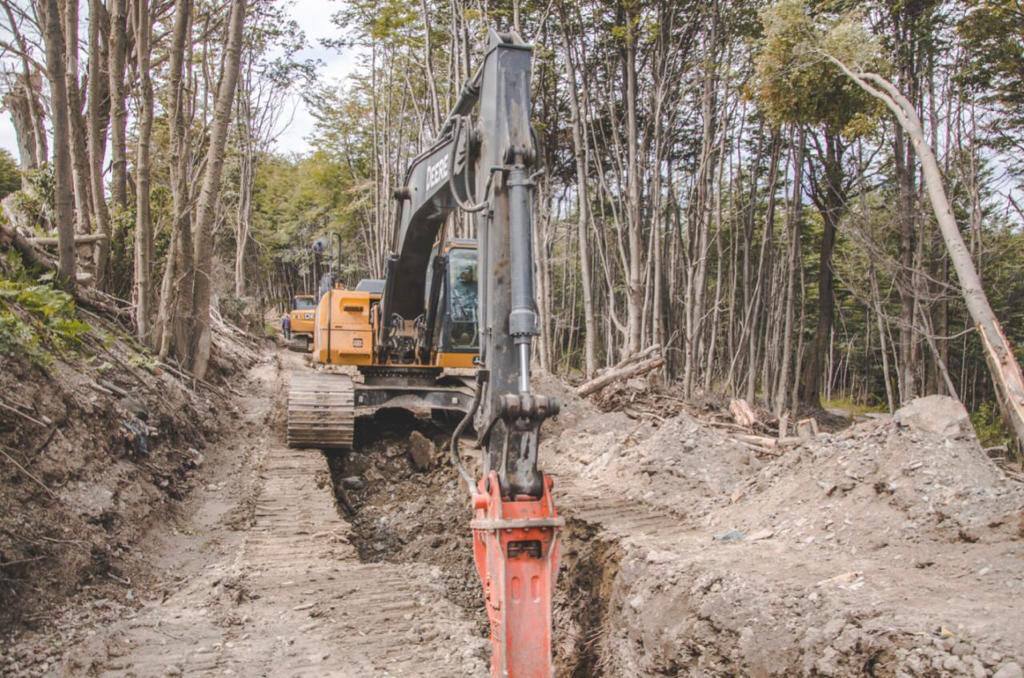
(807, 428)
(742, 413)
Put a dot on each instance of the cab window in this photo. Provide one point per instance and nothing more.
(462, 287)
(303, 304)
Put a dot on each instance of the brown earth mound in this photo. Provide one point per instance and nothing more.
(879, 550)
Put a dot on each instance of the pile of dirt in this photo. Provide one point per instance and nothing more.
(881, 549)
(95, 445)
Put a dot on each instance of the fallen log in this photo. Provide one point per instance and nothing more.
(613, 375)
(36, 258)
(79, 240)
(766, 441)
(631, 359)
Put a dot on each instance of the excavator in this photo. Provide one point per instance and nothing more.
(447, 307)
(301, 318)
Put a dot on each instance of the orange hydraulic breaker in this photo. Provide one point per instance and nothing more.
(515, 545)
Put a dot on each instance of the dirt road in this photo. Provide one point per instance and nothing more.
(258, 577)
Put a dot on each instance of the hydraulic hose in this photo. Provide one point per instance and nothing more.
(456, 459)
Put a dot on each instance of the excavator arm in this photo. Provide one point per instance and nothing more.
(484, 163)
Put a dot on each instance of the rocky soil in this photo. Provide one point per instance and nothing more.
(890, 548)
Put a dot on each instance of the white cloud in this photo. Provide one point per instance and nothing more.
(314, 17)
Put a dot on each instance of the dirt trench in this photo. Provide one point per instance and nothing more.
(401, 514)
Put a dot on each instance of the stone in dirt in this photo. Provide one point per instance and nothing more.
(421, 451)
(936, 414)
(1009, 670)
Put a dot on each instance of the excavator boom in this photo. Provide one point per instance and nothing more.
(484, 165)
(437, 310)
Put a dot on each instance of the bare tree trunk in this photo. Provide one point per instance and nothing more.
(883, 348)
(582, 211)
(16, 101)
(206, 210)
(53, 36)
(428, 62)
(173, 319)
(830, 198)
(95, 94)
(143, 218)
(634, 273)
(118, 114)
(1003, 366)
(33, 132)
(76, 124)
(794, 227)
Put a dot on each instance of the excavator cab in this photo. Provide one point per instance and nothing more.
(456, 339)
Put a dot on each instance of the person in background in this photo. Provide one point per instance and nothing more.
(286, 326)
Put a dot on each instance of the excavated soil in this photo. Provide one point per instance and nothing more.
(877, 550)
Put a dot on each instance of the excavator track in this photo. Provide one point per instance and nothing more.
(321, 411)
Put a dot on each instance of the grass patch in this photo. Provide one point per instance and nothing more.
(853, 407)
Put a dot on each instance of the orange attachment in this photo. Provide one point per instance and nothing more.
(515, 545)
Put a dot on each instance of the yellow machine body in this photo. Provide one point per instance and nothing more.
(346, 320)
(303, 315)
(344, 328)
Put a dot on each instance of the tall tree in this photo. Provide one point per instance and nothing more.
(209, 194)
(53, 37)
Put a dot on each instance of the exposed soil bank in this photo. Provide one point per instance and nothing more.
(94, 451)
(880, 550)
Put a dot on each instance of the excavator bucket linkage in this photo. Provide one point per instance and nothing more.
(515, 546)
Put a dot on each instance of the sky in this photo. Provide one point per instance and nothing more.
(314, 17)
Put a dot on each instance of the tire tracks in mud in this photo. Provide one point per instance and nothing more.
(279, 590)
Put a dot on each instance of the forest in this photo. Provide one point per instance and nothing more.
(721, 179)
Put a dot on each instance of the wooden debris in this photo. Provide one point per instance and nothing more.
(742, 413)
(807, 428)
(619, 374)
(79, 240)
(23, 415)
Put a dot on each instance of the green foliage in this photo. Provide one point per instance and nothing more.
(37, 320)
(989, 426)
(36, 199)
(10, 175)
(796, 83)
(992, 32)
(853, 407)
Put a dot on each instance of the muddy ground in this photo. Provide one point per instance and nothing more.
(875, 550)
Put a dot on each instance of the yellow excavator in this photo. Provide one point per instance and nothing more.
(301, 321)
(465, 306)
